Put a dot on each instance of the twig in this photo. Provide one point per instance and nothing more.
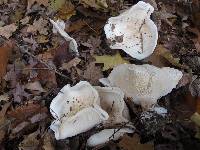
(41, 61)
(33, 69)
(90, 27)
(115, 131)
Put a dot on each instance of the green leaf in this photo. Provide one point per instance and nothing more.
(110, 61)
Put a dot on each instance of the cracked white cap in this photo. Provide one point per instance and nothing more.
(145, 84)
(76, 109)
(133, 31)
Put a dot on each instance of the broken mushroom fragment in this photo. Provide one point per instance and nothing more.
(133, 31)
(76, 109)
(112, 101)
(145, 84)
(59, 26)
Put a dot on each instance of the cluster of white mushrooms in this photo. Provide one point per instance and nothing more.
(79, 108)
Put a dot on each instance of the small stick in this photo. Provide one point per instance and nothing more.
(48, 66)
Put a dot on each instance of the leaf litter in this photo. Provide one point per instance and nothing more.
(36, 63)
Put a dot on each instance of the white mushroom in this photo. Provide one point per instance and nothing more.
(76, 110)
(112, 101)
(133, 31)
(59, 26)
(145, 84)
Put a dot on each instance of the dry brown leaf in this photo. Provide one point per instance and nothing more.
(30, 142)
(98, 4)
(8, 30)
(196, 40)
(77, 25)
(72, 63)
(42, 39)
(46, 75)
(133, 143)
(3, 1)
(25, 20)
(5, 51)
(38, 25)
(48, 142)
(165, 15)
(35, 86)
(40, 2)
(93, 73)
(61, 54)
(66, 11)
(24, 112)
(162, 56)
(3, 120)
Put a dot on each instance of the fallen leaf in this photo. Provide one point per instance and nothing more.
(61, 54)
(4, 97)
(46, 75)
(48, 142)
(42, 39)
(185, 80)
(98, 4)
(133, 143)
(8, 30)
(76, 26)
(31, 40)
(19, 127)
(195, 87)
(93, 43)
(39, 25)
(3, 112)
(19, 93)
(110, 61)
(66, 11)
(196, 119)
(27, 111)
(161, 55)
(35, 86)
(25, 20)
(93, 73)
(166, 16)
(72, 63)
(3, 120)
(30, 142)
(56, 4)
(196, 40)
(3, 2)
(38, 117)
(5, 51)
(40, 2)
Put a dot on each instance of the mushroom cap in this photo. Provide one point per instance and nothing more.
(145, 84)
(133, 31)
(76, 110)
(112, 101)
(59, 26)
(107, 135)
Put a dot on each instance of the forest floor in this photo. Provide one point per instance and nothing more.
(35, 64)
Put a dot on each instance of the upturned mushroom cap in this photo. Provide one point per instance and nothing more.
(112, 101)
(59, 26)
(145, 84)
(107, 135)
(133, 31)
(76, 110)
